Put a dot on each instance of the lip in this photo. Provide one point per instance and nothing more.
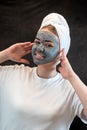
(39, 56)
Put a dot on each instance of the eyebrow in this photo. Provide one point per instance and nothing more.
(48, 41)
(37, 38)
(45, 40)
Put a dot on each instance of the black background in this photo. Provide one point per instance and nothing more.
(20, 20)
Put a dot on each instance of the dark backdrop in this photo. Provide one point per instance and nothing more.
(20, 20)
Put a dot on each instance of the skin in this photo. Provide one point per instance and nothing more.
(16, 53)
(45, 48)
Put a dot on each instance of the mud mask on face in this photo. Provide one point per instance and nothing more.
(42, 52)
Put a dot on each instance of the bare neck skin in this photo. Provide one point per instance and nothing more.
(47, 70)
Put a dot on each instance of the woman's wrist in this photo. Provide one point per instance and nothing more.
(72, 76)
(8, 54)
(4, 56)
(75, 80)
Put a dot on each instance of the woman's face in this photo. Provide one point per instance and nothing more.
(45, 47)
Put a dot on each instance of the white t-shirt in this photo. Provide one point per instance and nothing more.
(28, 102)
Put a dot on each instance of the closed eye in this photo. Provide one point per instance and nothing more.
(48, 44)
(36, 41)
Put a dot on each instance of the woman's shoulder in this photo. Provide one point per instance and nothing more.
(16, 68)
(16, 71)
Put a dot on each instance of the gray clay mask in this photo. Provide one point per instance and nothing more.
(45, 47)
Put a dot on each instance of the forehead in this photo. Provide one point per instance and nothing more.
(46, 35)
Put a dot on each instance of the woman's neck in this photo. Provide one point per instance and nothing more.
(46, 71)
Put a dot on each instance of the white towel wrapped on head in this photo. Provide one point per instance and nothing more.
(61, 25)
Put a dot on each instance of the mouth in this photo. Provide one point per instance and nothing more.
(39, 56)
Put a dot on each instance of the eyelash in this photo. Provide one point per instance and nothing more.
(46, 44)
(37, 42)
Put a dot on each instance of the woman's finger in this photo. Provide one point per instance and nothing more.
(28, 51)
(63, 54)
(27, 47)
(24, 61)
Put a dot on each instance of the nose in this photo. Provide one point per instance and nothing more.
(40, 48)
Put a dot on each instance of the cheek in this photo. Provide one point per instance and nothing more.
(51, 52)
(33, 49)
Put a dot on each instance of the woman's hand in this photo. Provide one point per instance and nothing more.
(65, 69)
(18, 50)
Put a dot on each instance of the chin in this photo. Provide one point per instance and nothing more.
(43, 63)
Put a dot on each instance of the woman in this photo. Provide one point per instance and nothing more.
(41, 98)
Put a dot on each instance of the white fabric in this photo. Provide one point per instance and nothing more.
(28, 102)
(61, 25)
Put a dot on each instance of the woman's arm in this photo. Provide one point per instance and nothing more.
(16, 52)
(3, 56)
(80, 88)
